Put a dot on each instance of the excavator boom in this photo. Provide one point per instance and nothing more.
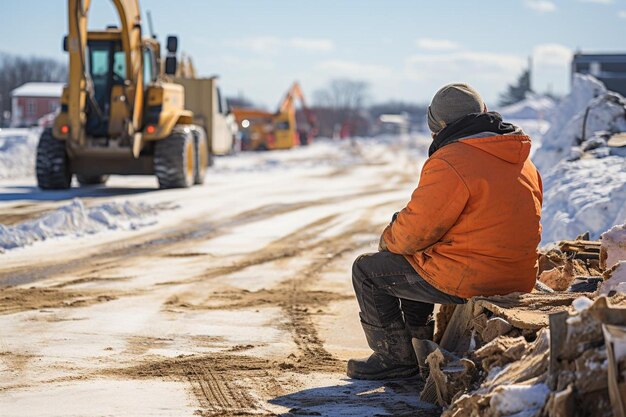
(288, 106)
(80, 86)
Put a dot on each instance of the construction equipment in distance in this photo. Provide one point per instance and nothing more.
(262, 130)
(123, 112)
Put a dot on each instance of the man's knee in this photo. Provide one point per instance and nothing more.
(359, 270)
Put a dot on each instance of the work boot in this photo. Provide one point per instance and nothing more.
(393, 355)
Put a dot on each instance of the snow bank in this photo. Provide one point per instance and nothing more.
(584, 195)
(510, 400)
(532, 107)
(584, 180)
(18, 149)
(606, 113)
(76, 220)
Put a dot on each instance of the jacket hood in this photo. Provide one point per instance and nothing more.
(514, 148)
(473, 125)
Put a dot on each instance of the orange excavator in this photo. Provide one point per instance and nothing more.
(262, 130)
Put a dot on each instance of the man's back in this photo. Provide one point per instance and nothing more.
(491, 248)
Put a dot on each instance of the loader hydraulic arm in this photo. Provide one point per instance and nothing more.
(288, 105)
(295, 92)
(78, 83)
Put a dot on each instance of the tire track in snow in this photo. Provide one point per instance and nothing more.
(158, 241)
(293, 295)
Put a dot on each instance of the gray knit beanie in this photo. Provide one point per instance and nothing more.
(451, 103)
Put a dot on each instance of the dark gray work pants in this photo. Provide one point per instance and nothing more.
(388, 289)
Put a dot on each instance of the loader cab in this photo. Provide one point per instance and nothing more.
(106, 68)
(108, 113)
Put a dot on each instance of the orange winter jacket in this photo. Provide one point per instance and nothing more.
(472, 225)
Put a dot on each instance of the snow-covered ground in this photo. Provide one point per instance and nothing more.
(17, 152)
(238, 301)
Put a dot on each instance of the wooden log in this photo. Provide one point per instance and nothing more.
(457, 337)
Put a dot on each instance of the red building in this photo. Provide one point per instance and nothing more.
(32, 101)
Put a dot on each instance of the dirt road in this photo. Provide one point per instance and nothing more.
(238, 301)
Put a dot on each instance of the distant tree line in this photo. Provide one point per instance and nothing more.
(343, 108)
(17, 70)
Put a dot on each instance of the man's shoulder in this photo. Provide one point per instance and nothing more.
(454, 152)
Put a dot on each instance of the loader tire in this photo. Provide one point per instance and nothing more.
(52, 165)
(91, 179)
(203, 156)
(174, 159)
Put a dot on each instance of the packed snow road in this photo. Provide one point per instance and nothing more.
(233, 298)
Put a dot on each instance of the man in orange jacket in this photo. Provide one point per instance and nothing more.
(471, 228)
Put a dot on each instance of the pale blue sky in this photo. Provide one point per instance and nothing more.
(405, 49)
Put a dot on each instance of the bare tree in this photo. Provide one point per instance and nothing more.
(16, 70)
(343, 94)
(339, 106)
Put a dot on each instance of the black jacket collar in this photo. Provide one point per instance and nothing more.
(472, 124)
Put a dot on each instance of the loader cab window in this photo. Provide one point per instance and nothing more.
(119, 67)
(106, 67)
(149, 66)
(99, 68)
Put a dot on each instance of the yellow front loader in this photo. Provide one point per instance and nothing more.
(122, 111)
